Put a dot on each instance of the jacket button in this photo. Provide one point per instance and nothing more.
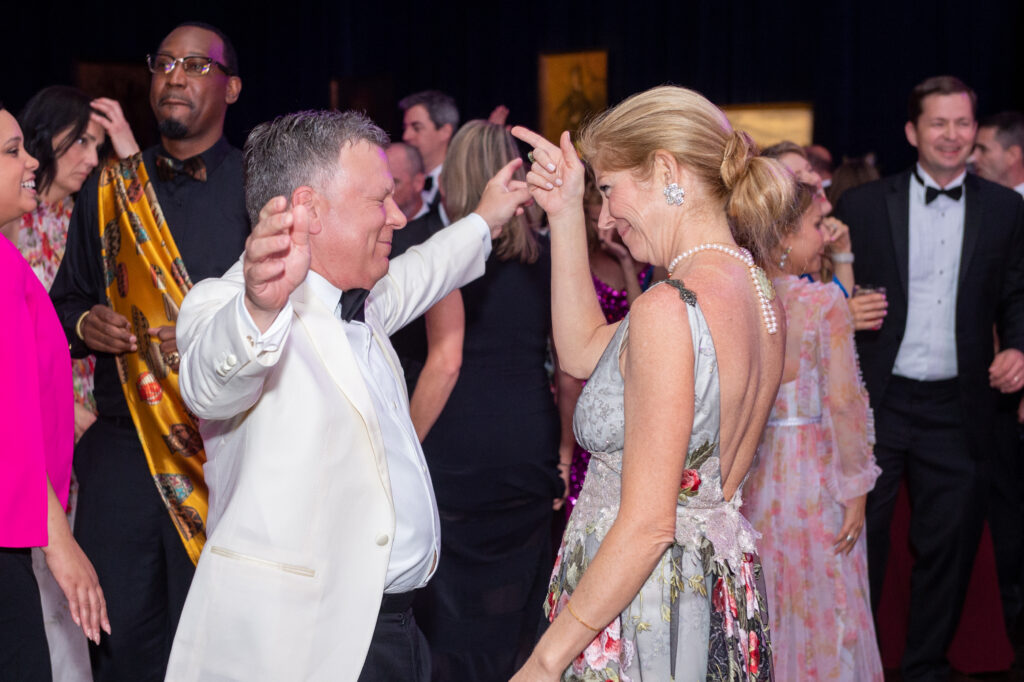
(382, 539)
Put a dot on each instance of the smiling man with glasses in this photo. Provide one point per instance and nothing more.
(143, 230)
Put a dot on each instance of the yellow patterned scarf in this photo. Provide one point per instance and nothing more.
(146, 282)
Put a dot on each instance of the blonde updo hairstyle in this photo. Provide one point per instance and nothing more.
(478, 151)
(756, 193)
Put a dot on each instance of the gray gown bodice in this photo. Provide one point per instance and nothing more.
(599, 425)
(701, 615)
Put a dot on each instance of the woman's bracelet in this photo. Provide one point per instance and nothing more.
(78, 325)
(568, 605)
(844, 258)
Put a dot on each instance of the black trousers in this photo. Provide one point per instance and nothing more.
(398, 651)
(920, 434)
(24, 653)
(124, 528)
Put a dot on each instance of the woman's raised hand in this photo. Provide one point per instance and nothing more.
(114, 122)
(556, 176)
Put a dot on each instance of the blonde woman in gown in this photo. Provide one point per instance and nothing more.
(815, 466)
(658, 576)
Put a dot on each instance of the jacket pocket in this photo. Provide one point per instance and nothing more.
(266, 563)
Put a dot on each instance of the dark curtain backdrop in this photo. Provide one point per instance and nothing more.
(855, 60)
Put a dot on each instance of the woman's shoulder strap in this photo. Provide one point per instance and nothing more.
(687, 295)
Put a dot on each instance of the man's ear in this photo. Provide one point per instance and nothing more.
(304, 195)
(911, 132)
(417, 181)
(1016, 154)
(447, 131)
(234, 89)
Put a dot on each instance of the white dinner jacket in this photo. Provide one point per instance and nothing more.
(301, 519)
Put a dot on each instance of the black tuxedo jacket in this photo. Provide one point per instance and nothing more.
(990, 286)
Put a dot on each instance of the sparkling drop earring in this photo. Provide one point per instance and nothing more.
(674, 194)
(785, 257)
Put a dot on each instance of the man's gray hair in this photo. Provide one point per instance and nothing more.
(440, 107)
(412, 155)
(300, 149)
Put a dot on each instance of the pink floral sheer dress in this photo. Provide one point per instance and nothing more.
(816, 453)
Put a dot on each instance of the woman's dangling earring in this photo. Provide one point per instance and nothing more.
(784, 258)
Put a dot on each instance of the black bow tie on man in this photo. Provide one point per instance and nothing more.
(167, 167)
(353, 305)
(932, 193)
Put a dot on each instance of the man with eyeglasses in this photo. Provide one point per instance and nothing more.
(143, 230)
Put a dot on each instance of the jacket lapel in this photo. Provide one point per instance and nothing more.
(973, 219)
(332, 346)
(898, 203)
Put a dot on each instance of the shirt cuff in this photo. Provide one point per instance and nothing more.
(485, 232)
(266, 342)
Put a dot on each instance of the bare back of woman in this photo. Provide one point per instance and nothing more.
(750, 359)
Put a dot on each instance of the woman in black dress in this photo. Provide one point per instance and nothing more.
(493, 452)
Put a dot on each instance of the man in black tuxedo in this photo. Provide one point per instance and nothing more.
(429, 120)
(949, 248)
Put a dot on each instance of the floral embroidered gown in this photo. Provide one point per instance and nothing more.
(816, 453)
(701, 614)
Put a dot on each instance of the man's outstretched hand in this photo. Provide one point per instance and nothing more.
(276, 259)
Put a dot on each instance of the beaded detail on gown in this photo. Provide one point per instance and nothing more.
(701, 614)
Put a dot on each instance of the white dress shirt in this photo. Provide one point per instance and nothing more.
(1019, 189)
(443, 214)
(417, 544)
(928, 349)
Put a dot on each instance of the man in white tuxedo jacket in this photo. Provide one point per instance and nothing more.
(322, 517)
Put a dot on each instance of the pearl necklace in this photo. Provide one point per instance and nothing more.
(762, 285)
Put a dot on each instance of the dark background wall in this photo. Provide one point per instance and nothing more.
(855, 60)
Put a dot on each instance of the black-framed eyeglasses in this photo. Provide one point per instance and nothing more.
(164, 64)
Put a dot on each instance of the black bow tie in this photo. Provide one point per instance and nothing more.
(353, 305)
(167, 167)
(428, 183)
(932, 193)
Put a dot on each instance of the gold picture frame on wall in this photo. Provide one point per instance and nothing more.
(773, 122)
(573, 86)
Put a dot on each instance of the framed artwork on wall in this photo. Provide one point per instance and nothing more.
(573, 86)
(773, 122)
